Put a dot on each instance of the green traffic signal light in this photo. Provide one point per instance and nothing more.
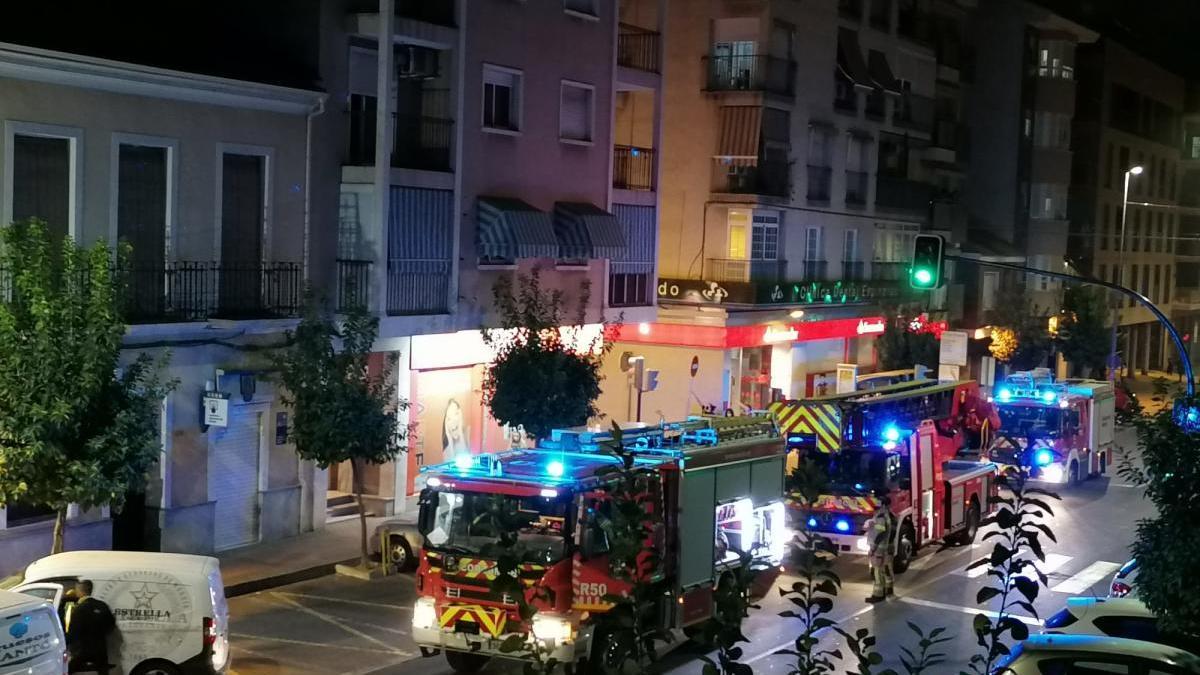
(926, 270)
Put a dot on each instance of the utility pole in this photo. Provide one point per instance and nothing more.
(1116, 319)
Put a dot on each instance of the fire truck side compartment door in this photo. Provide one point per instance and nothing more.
(956, 505)
(766, 481)
(697, 526)
(733, 483)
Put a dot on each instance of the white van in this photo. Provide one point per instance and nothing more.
(31, 638)
(170, 608)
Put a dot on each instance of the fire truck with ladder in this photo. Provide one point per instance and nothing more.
(1060, 432)
(906, 441)
(717, 491)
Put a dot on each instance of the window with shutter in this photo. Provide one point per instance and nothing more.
(575, 112)
(501, 98)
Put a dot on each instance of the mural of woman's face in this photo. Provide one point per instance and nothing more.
(454, 422)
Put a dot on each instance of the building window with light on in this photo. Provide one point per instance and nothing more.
(1056, 58)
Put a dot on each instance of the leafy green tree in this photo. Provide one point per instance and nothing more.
(1019, 528)
(541, 378)
(72, 429)
(1029, 327)
(900, 347)
(1083, 331)
(342, 410)
(1167, 545)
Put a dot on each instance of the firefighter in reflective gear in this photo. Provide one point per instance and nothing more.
(882, 536)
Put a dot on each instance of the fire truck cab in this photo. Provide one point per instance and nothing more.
(717, 489)
(1061, 432)
(903, 441)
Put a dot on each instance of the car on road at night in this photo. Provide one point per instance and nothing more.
(1115, 617)
(1124, 582)
(396, 542)
(1095, 655)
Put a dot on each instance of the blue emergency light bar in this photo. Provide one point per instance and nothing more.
(1035, 384)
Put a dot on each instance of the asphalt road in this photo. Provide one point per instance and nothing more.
(341, 626)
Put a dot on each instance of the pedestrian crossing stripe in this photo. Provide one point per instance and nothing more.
(1075, 584)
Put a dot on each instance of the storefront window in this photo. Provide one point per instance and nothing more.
(755, 386)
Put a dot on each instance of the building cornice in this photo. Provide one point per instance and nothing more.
(72, 70)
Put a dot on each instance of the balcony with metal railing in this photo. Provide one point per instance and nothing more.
(184, 290)
(633, 168)
(914, 111)
(853, 270)
(768, 178)
(814, 270)
(761, 73)
(353, 284)
(902, 194)
(820, 179)
(638, 48)
(420, 141)
(856, 188)
(741, 269)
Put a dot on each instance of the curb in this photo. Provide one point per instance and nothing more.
(267, 583)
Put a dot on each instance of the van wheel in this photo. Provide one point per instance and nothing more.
(464, 662)
(156, 668)
(400, 553)
(906, 548)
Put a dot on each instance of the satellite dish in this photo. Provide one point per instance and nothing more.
(626, 361)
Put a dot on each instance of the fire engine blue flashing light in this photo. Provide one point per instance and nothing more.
(891, 433)
(1048, 396)
(858, 486)
(554, 469)
(464, 462)
(1043, 457)
(812, 522)
(1004, 395)
(842, 525)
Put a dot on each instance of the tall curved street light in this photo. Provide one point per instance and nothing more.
(1113, 363)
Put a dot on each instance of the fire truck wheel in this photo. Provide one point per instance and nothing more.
(967, 535)
(906, 548)
(462, 662)
(609, 652)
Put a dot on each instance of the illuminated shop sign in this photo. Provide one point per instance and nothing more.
(704, 292)
(725, 337)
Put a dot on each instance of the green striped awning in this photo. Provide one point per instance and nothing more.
(587, 231)
(511, 229)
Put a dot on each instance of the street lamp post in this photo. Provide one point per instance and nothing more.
(1116, 319)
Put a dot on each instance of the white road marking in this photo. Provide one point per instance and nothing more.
(326, 598)
(339, 624)
(1053, 562)
(318, 645)
(967, 610)
(1084, 579)
(792, 642)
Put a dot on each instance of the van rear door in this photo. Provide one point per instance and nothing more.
(31, 642)
(50, 592)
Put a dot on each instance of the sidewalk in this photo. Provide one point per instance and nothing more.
(286, 561)
(1143, 386)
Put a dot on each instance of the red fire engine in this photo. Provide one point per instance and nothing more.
(718, 485)
(1060, 432)
(906, 441)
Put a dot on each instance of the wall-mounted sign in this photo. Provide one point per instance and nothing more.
(704, 292)
(953, 348)
(773, 334)
(870, 327)
(215, 406)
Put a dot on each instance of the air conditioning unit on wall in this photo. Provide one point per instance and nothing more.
(413, 62)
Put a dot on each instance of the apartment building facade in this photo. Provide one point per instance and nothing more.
(206, 178)
(1020, 111)
(1128, 115)
(799, 160)
(1186, 295)
(521, 136)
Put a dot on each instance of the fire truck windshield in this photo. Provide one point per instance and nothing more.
(462, 522)
(849, 469)
(1025, 419)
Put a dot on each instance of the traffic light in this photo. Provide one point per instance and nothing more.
(925, 273)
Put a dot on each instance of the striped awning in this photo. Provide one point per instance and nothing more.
(881, 73)
(850, 59)
(511, 229)
(741, 130)
(587, 231)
